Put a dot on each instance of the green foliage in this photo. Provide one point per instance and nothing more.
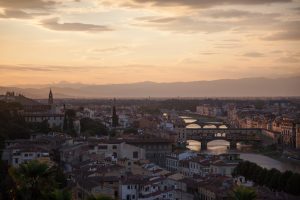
(68, 126)
(35, 180)
(6, 182)
(99, 198)
(293, 184)
(243, 193)
(92, 127)
(274, 179)
(12, 124)
(115, 118)
(42, 127)
(112, 133)
(60, 195)
(283, 179)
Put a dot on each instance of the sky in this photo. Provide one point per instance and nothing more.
(126, 41)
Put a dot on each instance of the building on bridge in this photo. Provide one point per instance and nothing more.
(205, 135)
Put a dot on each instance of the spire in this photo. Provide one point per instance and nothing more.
(50, 99)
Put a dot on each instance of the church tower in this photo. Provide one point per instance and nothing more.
(50, 99)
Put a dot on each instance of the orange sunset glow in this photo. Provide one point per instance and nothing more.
(126, 41)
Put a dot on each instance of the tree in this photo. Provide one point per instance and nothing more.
(34, 180)
(99, 198)
(269, 176)
(6, 182)
(68, 121)
(274, 180)
(283, 179)
(60, 195)
(292, 185)
(115, 117)
(243, 193)
(262, 176)
(92, 127)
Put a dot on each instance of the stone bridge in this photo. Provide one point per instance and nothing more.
(232, 135)
(203, 124)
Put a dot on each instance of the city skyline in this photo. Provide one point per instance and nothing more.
(112, 41)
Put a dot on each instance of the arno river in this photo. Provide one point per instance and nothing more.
(221, 146)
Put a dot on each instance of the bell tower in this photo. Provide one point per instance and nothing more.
(50, 99)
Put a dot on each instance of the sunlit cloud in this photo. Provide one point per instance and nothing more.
(54, 24)
(253, 54)
(17, 14)
(207, 4)
(119, 41)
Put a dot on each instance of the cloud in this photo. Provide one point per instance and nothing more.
(112, 49)
(208, 3)
(17, 14)
(284, 35)
(228, 13)
(27, 4)
(233, 13)
(286, 31)
(183, 24)
(297, 9)
(211, 21)
(66, 68)
(289, 59)
(54, 24)
(44, 68)
(23, 68)
(253, 54)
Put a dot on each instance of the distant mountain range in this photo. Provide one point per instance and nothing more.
(246, 87)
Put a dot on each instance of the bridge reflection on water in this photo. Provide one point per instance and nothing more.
(222, 146)
(216, 146)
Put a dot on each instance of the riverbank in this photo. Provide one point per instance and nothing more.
(274, 152)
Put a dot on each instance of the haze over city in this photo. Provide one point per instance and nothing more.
(149, 99)
(130, 41)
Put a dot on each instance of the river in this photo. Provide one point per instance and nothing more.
(221, 146)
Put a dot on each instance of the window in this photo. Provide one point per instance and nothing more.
(135, 154)
(26, 155)
(79, 195)
(128, 187)
(114, 146)
(133, 196)
(102, 147)
(115, 155)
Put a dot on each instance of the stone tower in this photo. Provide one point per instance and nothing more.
(50, 99)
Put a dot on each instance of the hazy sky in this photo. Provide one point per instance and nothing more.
(121, 41)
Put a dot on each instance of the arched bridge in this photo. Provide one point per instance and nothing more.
(232, 135)
(203, 124)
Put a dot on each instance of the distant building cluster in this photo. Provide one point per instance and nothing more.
(279, 119)
(36, 112)
(146, 158)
